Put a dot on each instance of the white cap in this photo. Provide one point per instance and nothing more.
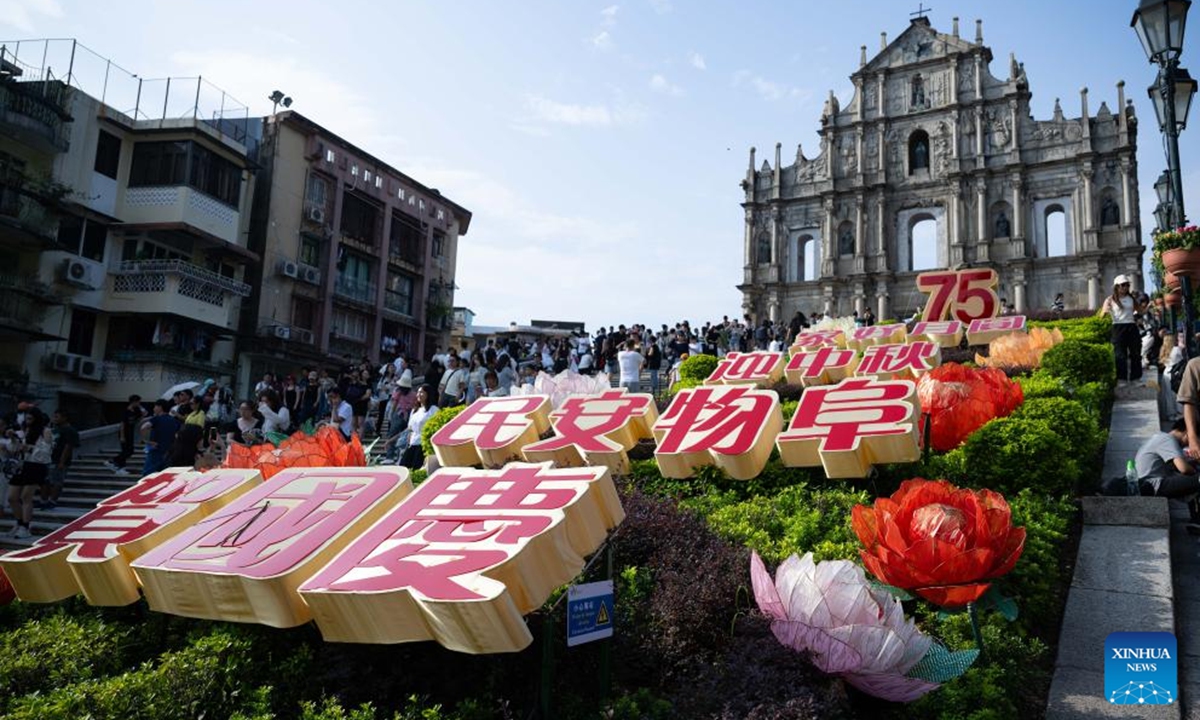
(406, 378)
(1120, 280)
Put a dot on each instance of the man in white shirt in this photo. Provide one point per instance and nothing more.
(587, 363)
(341, 413)
(453, 385)
(631, 362)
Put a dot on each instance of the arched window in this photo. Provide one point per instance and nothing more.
(809, 258)
(918, 151)
(923, 239)
(1056, 231)
(764, 248)
(845, 239)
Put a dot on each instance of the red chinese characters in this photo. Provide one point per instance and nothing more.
(861, 338)
(850, 426)
(492, 431)
(92, 554)
(899, 361)
(813, 339)
(820, 366)
(245, 562)
(755, 368)
(597, 430)
(729, 426)
(946, 333)
(985, 330)
(463, 558)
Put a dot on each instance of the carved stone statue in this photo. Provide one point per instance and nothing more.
(846, 242)
(920, 154)
(764, 248)
(1110, 214)
(1002, 228)
(918, 92)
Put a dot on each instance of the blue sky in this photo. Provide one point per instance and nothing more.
(599, 145)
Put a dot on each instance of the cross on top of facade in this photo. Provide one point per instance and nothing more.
(921, 10)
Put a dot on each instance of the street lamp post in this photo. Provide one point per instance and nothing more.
(1160, 26)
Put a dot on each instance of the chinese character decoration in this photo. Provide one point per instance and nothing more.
(244, 563)
(942, 542)
(985, 330)
(962, 295)
(861, 338)
(889, 362)
(959, 400)
(813, 339)
(946, 333)
(91, 555)
(597, 430)
(820, 366)
(763, 369)
(465, 557)
(492, 431)
(729, 426)
(848, 427)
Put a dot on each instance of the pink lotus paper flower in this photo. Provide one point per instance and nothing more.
(563, 385)
(847, 626)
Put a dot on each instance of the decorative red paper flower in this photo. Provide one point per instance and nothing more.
(960, 400)
(940, 541)
(326, 448)
(7, 594)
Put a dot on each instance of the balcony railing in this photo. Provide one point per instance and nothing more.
(36, 113)
(28, 211)
(398, 302)
(362, 291)
(151, 274)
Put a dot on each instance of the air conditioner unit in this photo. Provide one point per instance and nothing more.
(62, 362)
(303, 336)
(283, 331)
(81, 273)
(310, 274)
(315, 214)
(289, 268)
(89, 369)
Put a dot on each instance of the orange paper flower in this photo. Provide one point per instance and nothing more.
(942, 542)
(1020, 350)
(326, 448)
(960, 400)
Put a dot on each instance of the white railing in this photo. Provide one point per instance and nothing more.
(185, 270)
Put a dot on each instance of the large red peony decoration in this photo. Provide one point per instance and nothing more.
(326, 448)
(942, 542)
(960, 400)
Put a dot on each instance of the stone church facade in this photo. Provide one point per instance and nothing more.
(932, 135)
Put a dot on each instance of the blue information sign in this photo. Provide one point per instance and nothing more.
(589, 612)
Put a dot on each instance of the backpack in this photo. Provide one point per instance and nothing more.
(1177, 374)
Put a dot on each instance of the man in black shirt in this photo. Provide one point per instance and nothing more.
(66, 442)
(131, 418)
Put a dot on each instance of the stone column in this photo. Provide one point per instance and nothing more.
(1085, 117)
(883, 151)
(858, 92)
(978, 76)
(860, 298)
(1122, 121)
(981, 224)
(979, 159)
(860, 227)
(1018, 223)
(776, 242)
(828, 257)
(882, 96)
(1018, 284)
(881, 300)
(880, 234)
(1126, 197)
(1015, 141)
(1089, 222)
(1093, 291)
(749, 242)
(860, 160)
(776, 178)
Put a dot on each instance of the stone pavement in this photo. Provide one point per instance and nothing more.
(1124, 582)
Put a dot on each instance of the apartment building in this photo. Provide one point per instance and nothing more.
(124, 218)
(358, 258)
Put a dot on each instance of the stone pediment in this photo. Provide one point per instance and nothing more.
(919, 43)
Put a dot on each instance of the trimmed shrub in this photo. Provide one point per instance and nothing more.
(1041, 384)
(435, 423)
(56, 651)
(1072, 422)
(798, 519)
(1091, 329)
(1012, 453)
(694, 371)
(1041, 578)
(1079, 362)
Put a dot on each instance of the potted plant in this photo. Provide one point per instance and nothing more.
(1178, 250)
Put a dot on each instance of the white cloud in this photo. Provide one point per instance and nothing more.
(767, 89)
(601, 40)
(697, 60)
(658, 83)
(20, 13)
(609, 15)
(552, 111)
(662, 7)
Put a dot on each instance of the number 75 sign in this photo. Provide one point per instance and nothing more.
(963, 295)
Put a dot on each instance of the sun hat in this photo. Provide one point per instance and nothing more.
(1120, 280)
(406, 379)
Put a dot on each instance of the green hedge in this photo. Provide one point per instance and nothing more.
(1011, 453)
(1096, 329)
(694, 371)
(1073, 423)
(435, 423)
(1078, 363)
